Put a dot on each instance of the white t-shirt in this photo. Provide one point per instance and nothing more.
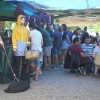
(97, 50)
(74, 37)
(36, 38)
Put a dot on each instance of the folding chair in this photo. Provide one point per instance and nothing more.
(97, 62)
(76, 64)
(97, 59)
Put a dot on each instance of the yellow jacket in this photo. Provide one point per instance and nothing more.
(20, 32)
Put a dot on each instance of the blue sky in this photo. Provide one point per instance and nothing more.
(66, 4)
(69, 4)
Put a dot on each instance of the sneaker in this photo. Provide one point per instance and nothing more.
(33, 73)
(56, 67)
(61, 66)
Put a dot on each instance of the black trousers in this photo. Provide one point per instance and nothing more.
(20, 67)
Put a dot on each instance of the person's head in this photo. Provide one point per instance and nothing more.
(97, 34)
(98, 42)
(85, 28)
(40, 26)
(76, 40)
(55, 27)
(87, 41)
(64, 27)
(21, 20)
(49, 27)
(32, 26)
(60, 28)
(78, 30)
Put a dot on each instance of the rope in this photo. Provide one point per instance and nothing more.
(15, 78)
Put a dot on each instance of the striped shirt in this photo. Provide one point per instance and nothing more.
(88, 48)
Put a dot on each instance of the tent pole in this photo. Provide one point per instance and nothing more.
(87, 4)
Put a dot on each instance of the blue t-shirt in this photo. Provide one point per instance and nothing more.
(64, 35)
(57, 39)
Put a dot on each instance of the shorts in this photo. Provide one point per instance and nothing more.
(56, 51)
(47, 51)
(65, 45)
(36, 62)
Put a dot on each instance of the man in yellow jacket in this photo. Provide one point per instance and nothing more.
(20, 37)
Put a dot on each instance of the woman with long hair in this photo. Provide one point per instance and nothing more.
(65, 41)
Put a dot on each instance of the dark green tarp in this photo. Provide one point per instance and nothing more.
(6, 75)
(7, 9)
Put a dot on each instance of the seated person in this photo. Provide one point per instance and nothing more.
(84, 57)
(87, 47)
(96, 51)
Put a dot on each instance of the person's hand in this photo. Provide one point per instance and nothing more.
(86, 55)
(28, 44)
(2, 44)
(14, 49)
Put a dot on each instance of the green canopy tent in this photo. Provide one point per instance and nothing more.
(7, 11)
(8, 8)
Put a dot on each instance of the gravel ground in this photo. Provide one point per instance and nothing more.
(58, 85)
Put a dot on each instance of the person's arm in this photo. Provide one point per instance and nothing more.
(94, 52)
(41, 42)
(53, 37)
(14, 40)
(1, 42)
(67, 38)
(73, 36)
(28, 39)
(93, 55)
(82, 52)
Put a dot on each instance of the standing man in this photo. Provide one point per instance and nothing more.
(36, 44)
(20, 37)
(57, 40)
(47, 46)
(49, 29)
(85, 35)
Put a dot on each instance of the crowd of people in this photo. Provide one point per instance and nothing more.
(53, 43)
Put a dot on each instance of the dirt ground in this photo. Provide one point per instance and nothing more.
(58, 84)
